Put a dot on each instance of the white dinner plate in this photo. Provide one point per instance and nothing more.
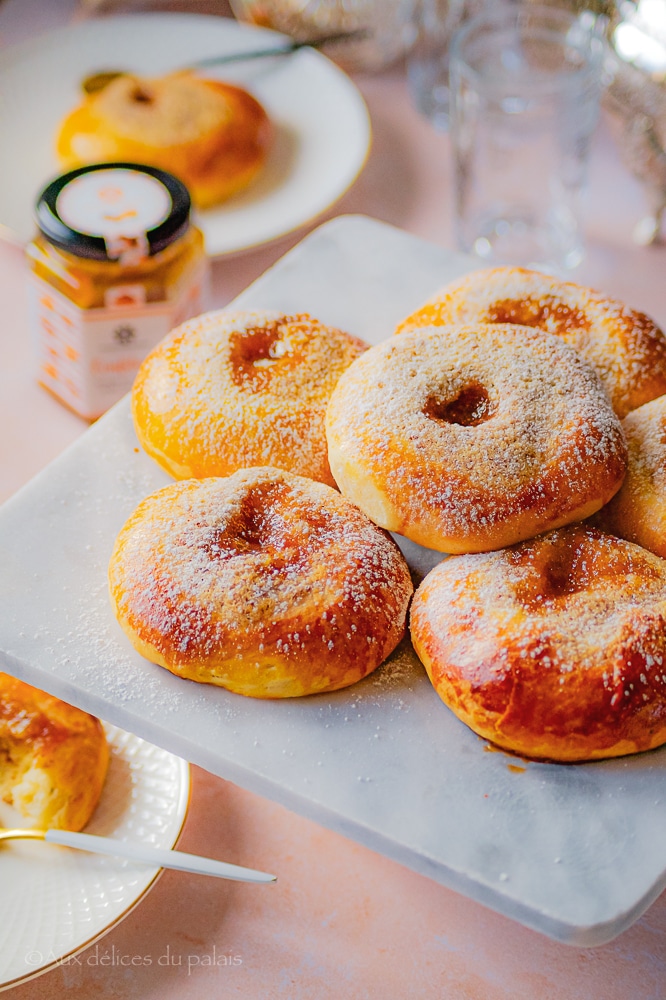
(321, 121)
(57, 901)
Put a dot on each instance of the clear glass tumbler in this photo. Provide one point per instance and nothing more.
(525, 87)
(433, 23)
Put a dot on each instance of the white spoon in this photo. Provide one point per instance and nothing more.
(154, 856)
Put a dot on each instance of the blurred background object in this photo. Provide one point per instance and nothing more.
(97, 7)
(525, 87)
(383, 26)
(421, 29)
(636, 96)
(636, 99)
(433, 23)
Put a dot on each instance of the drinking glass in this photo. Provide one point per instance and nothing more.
(525, 88)
(433, 23)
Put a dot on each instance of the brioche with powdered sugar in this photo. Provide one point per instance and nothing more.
(474, 437)
(637, 512)
(265, 583)
(235, 389)
(554, 648)
(625, 347)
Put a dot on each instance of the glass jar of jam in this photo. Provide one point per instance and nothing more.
(115, 265)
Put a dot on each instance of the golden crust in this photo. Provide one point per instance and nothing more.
(231, 390)
(265, 583)
(625, 347)
(212, 135)
(555, 648)
(638, 511)
(471, 438)
(53, 757)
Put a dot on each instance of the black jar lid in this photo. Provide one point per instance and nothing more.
(152, 210)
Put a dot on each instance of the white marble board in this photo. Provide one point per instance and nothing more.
(575, 851)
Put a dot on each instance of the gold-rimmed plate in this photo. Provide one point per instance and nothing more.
(61, 901)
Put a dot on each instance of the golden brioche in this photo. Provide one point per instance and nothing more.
(53, 757)
(230, 390)
(555, 648)
(638, 511)
(625, 347)
(212, 135)
(471, 438)
(265, 583)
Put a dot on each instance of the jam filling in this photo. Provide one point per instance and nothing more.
(470, 407)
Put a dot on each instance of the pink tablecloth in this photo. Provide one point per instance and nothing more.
(342, 921)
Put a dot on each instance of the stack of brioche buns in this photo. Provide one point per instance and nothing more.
(510, 422)
(253, 572)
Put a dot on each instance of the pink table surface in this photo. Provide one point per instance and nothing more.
(341, 921)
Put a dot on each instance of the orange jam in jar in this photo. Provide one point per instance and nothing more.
(115, 265)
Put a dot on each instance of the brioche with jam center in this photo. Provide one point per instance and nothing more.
(554, 648)
(265, 583)
(625, 347)
(234, 389)
(471, 438)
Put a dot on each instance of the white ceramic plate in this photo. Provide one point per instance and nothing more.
(56, 901)
(322, 124)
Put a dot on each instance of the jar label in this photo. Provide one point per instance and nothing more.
(118, 204)
(89, 358)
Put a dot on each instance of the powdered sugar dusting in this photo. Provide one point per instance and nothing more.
(260, 568)
(626, 348)
(562, 636)
(638, 511)
(230, 390)
(547, 445)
